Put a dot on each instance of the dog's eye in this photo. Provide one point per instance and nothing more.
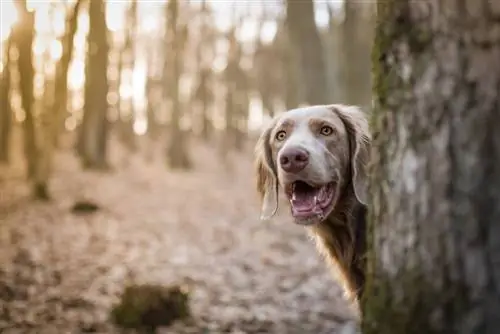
(280, 135)
(326, 130)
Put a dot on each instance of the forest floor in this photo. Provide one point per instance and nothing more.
(61, 272)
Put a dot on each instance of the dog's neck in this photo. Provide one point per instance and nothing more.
(342, 239)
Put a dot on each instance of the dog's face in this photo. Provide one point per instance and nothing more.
(311, 153)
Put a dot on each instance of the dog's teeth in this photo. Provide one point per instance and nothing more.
(294, 196)
(315, 199)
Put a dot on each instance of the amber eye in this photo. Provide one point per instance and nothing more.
(326, 130)
(280, 135)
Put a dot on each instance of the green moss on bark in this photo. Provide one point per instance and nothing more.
(394, 26)
(411, 304)
(383, 311)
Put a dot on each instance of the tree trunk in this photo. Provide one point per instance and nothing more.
(203, 92)
(434, 239)
(5, 105)
(94, 128)
(61, 79)
(177, 155)
(23, 37)
(307, 45)
(354, 53)
(292, 92)
(127, 60)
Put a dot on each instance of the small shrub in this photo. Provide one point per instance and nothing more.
(147, 307)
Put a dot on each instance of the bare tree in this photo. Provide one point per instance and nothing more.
(203, 93)
(177, 154)
(24, 34)
(92, 145)
(268, 70)
(152, 87)
(127, 60)
(53, 107)
(61, 78)
(434, 236)
(356, 35)
(289, 72)
(307, 45)
(5, 104)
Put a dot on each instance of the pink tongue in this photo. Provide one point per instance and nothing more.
(304, 201)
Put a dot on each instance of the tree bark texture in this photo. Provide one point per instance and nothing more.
(94, 128)
(304, 37)
(434, 234)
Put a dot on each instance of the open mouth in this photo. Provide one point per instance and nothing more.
(309, 201)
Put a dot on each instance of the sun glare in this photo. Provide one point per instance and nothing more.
(50, 25)
(8, 15)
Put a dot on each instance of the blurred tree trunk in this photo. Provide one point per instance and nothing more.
(336, 59)
(46, 119)
(53, 108)
(204, 96)
(434, 239)
(177, 154)
(307, 45)
(203, 93)
(233, 111)
(292, 90)
(127, 60)
(24, 34)
(237, 94)
(354, 53)
(266, 66)
(152, 103)
(5, 104)
(94, 129)
(61, 79)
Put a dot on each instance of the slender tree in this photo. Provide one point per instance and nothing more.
(434, 235)
(61, 77)
(292, 94)
(203, 93)
(177, 154)
(127, 60)
(5, 104)
(307, 45)
(356, 35)
(93, 134)
(23, 37)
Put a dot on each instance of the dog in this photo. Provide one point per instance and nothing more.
(318, 156)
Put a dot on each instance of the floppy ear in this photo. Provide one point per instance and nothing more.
(267, 179)
(359, 134)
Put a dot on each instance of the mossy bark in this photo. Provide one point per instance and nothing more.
(434, 232)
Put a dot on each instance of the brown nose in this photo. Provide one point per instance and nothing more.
(293, 160)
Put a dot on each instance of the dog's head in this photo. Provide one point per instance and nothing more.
(312, 154)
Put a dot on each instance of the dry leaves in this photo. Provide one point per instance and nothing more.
(62, 273)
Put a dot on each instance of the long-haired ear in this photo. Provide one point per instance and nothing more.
(359, 134)
(267, 179)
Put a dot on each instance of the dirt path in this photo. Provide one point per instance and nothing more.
(61, 273)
